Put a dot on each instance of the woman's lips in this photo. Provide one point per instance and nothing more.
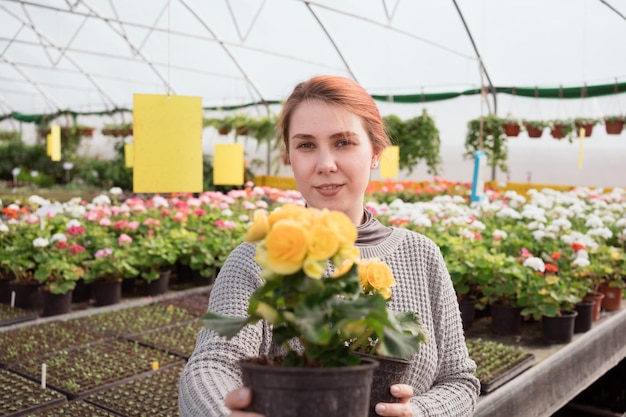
(328, 190)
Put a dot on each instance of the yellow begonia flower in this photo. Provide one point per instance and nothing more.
(350, 253)
(376, 275)
(314, 268)
(266, 311)
(286, 243)
(323, 243)
(259, 228)
(346, 231)
(343, 268)
(293, 212)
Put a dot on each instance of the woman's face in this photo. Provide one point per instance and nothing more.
(331, 157)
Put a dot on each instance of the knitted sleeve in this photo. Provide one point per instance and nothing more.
(211, 371)
(455, 390)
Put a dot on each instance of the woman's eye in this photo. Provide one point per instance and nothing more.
(343, 143)
(305, 145)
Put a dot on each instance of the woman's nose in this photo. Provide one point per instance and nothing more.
(326, 162)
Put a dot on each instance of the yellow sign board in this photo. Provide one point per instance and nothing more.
(228, 166)
(167, 135)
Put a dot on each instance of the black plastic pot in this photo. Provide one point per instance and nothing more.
(106, 293)
(389, 371)
(559, 329)
(55, 304)
(584, 319)
(505, 320)
(27, 295)
(309, 392)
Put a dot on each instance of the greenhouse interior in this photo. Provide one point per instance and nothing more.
(141, 149)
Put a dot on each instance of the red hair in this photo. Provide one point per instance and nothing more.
(341, 92)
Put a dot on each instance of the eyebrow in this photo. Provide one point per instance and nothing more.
(338, 135)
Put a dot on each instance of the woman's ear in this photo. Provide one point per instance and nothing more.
(286, 160)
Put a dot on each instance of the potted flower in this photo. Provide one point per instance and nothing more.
(534, 128)
(586, 123)
(614, 124)
(561, 128)
(325, 314)
(105, 272)
(57, 268)
(551, 298)
(511, 126)
(153, 255)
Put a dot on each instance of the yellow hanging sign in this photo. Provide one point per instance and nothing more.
(228, 166)
(390, 162)
(581, 135)
(49, 144)
(55, 139)
(167, 135)
(128, 155)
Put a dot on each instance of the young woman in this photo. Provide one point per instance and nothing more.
(334, 136)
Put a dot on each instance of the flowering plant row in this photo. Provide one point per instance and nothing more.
(541, 252)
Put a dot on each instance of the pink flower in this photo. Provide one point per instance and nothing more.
(199, 212)
(75, 230)
(76, 249)
(105, 222)
(124, 238)
(103, 253)
(526, 253)
(31, 218)
(133, 225)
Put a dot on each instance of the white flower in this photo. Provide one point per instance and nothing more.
(158, 201)
(37, 200)
(60, 237)
(535, 263)
(582, 254)
(40, 242)
(101, 200)
(581, 262)
(603, 232)
(4, 228)
(72, 223)
(467, 234)
(115, 191)
(478, 225)
(593, 222)
(227, 212)
(509, 213)
(244, 218)
(422, 221)
(535, 225)
(499, 234)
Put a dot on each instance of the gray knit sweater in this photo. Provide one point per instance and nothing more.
(441, 373)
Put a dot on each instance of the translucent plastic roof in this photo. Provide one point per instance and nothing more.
(93, 55)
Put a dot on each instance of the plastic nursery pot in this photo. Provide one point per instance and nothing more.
(584, 319)
(559, 329)
(309, 392)
(389, 371)
(505, 320)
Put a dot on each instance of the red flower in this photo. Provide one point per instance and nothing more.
(551, 268)
(556, 256)
(576, 246)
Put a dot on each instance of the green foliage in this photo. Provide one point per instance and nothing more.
(10, 135)
(492, 141)
(29, 158)
(418, 140)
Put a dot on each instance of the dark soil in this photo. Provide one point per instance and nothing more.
(196, 303)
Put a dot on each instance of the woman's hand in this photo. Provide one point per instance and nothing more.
(238, 399)
(403, 393)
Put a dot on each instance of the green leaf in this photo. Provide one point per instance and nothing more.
(224, 325)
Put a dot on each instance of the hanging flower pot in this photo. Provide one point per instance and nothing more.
(586, 124)
(511, 129)
(560, 128)
(534, 128)
(614, 125)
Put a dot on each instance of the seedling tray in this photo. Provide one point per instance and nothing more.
(20, 396)
(179, 340)
(134, 320)
(76, 408)
(80, 371)
(155, 395)
(9, 316)
(488, 386)
(21, 344)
